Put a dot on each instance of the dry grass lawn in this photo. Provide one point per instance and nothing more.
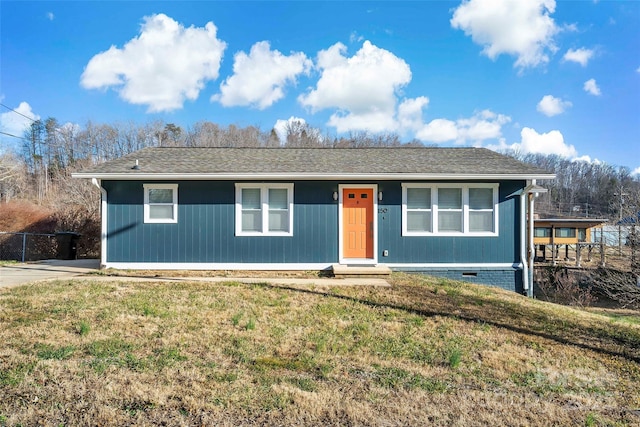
(423, 352)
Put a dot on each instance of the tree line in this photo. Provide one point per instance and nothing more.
(585, 189)
(40, 169)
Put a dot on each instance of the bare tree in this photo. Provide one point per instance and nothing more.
(13, 177)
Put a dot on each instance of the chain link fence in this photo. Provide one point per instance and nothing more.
(36, 246)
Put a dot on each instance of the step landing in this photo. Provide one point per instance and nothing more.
(342, 271)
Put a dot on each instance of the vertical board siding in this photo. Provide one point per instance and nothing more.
(448, 249)
(205, 231)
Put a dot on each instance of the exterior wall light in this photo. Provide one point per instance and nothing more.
(380, 195)
(335, 196)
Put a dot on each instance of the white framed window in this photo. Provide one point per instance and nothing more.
(264, 209)
(161, 203)
(481, 208)
(449, 209)
(419, 212)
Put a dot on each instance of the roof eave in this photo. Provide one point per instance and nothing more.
(309, 176)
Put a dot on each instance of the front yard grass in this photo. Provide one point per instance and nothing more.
(424, 352)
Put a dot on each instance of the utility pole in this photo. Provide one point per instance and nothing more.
(621, 194)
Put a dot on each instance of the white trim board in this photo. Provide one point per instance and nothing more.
(458, 266)
(217, 266)
(294, 266)
(136, 176)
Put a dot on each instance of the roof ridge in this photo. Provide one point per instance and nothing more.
(319, 148)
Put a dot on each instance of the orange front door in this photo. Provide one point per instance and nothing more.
(357, 222)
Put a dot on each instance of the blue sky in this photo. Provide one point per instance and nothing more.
(545, 76)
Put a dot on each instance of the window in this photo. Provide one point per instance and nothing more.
(160, 203)
(582, 234)
(480, 210)
(418, 207)
(449, 209)
(542, 232)
(264, 209)
(565, 232)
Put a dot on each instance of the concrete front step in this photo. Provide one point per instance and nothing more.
(352, 271)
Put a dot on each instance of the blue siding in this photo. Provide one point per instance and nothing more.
(205, 231)
(442, 249)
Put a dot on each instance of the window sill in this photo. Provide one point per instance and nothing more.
(258, 234)
(449, 234)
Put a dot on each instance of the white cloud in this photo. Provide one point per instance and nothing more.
(355, 37)
(551, 106)
(638, 70)
(545, 143)
(438, 130)
(587, 159)
(481, 126)
(410, 113)
(16, 124)
(165, 65)
(636, 171)
(282, 127)
(590, 86)
(524, 29)
(259, 78)
(50, 16)
(363, 88)
(581, 56)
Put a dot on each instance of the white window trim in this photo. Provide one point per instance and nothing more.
(465, 209)
(264, 200)
(174, 204)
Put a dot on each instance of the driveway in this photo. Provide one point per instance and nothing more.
(18, 274)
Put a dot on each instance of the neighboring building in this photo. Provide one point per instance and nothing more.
(453, 212)
(556, 232)
(565, 231)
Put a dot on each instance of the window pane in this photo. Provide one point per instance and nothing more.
(160, 195)
(450, 198)
(418, 198)
(278, 198)
(480, 221)
(161, 211)
(480, 198)
(582, 234)
(418, 221)
(565, 232)
(450, 221)
(251, 198)
(279, 221)
(252, 221)
(542, 232)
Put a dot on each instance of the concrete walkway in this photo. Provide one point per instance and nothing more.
(20, 274)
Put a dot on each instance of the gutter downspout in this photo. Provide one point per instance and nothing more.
(523, 240)
(531, 253)
(103, 222)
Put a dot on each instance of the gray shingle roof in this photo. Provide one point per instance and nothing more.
(300, 162)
